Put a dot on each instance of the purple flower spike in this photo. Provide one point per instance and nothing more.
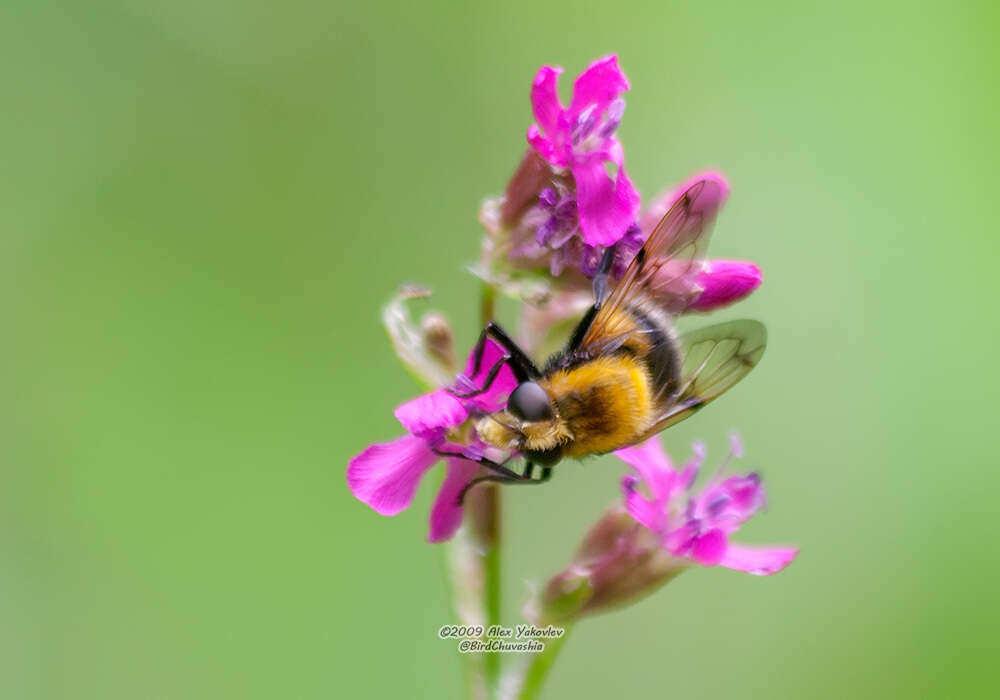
(386, 475)
(581, 138)
(697, 526)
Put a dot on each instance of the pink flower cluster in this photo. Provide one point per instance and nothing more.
(698, 526)
(563, 207)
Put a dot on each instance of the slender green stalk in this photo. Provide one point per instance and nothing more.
(486, 515)
(540, 664)
(474, 564)
(487, 303)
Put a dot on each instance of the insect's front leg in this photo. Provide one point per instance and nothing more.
(487, 382)
(499, 467)
(524, 369)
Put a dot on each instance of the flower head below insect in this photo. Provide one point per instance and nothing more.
(652, 537)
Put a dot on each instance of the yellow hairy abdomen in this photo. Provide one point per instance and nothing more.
(605, 403)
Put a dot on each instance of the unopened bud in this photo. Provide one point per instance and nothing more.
(724, 282)
(439, 340)
(619, 562)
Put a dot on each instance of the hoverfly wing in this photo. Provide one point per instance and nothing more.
(664, 269)
(715, 358)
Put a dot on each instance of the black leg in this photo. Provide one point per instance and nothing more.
(525, 480)
(497, 467)
(524, 369)
(600, 295)
(487, 383)
(601, 276)
(581, 329)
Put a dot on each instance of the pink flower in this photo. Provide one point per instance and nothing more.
(717, 283)
(698, 526)
(723, 282)
(581, 138)
(635, 549)
(386, 475)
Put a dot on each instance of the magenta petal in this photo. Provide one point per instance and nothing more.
(386, 475)
(758, 561)
(544, 147)
(602, 82)
(710, 548)
(646, 513)
(724, 282)
(733, 498)
(606, 207)
(446, 513)
(545, 99)
(652, 464)
(692, 467)
(438, 409)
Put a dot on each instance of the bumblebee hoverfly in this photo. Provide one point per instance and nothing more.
(625, 373)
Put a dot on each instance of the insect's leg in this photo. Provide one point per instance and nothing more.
(524, 368)
(477, 354)
(500, 468)
(520, 362)
(525, 479)
(600, 296)
(480, 480)
(487, 382)
(601, 276)
(581, 329)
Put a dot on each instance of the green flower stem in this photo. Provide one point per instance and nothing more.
(484, 509)
(486, 514)
(474, 564)
(541, 663)
(465, 573)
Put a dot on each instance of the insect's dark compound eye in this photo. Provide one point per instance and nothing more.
(530, 402)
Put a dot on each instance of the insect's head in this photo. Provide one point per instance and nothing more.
(529, 402)
(530, 424)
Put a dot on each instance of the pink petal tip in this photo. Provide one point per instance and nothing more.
(385, 476)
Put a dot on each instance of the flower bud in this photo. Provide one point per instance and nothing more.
(411, 342)
(439, 340)
(619, 562)
(724, 282)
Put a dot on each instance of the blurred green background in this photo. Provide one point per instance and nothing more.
(204, 205)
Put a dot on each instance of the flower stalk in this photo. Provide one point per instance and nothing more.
(484, 512)
(475, 562)
(540, 665)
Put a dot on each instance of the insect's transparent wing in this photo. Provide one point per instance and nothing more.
(715, 358)
(665, 267)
